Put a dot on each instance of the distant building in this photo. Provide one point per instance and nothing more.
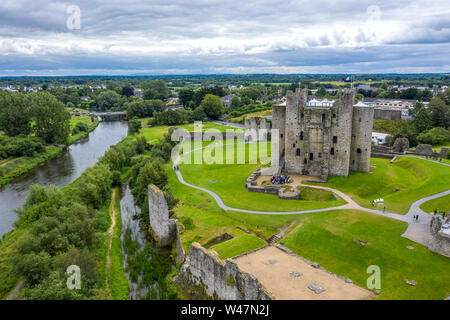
(138, 93)
(173, 101)
(226, 100)
(86, 98)
(363, 87)
(174, 107)
(390, 103)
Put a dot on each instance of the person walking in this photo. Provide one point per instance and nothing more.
(435, 211)
(384, 209)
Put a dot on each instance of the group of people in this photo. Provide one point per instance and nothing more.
(443, 213)
(416, 217)
(280, 179)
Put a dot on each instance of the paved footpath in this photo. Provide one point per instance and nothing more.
(417, 231)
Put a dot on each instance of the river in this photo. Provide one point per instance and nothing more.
(61, 170)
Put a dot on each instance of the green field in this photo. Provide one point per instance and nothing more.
(331, 239)
(399, 184)
(156, 132)
(228, 181)
(440, 204)
(241, 243)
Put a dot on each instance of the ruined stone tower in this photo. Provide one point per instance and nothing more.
(321, 138)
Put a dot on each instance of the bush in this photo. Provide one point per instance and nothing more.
(82, 127)
(116, 178)
(20, 146)
(434, 136)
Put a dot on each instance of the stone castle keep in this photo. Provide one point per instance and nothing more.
(322, 138)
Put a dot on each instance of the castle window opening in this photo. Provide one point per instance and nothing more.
(358, 150)
(311, 156)
(320, 154)
(305, 161)
(301, 135)
(298, 152)
(334, 139)
(323, 117)
(332, 151)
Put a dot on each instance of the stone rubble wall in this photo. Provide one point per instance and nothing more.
(387, 114)
(439, 242)
(282, 193)
(163, 229)
(205, 275)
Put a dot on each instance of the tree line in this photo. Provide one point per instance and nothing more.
(39, 114)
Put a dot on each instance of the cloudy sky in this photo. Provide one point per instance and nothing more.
(82, 37)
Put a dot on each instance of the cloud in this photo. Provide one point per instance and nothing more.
(207, 36)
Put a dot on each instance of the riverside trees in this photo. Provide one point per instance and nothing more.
(39, 113)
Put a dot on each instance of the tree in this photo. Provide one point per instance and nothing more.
(134, 126)
(185, 96)
(51, 117)
(155, 89)
(440, 112)
(15, 114)
(235, 103)
(321, 92)
(422, 122)
(143, 108)
(212, 106)
(107, 100)
(127, 91)
(434, 136)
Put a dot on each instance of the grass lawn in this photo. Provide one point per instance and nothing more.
(152, 133)
(331, 239)
(440, 204)
(82, 134)
(412, 177)
(209, 221)
(315, 194)
(227, 180)
(241, 243)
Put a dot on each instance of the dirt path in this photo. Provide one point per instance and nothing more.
(112, 214)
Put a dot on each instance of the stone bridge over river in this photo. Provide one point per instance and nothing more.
(111, 116)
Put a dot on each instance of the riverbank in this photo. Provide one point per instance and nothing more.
(17, 167)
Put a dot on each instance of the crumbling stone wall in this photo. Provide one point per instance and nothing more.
(387, 114)
(256, 129)
(424, 149)
(164, 230)
(204, 275)
(439, 240)
(401, 145)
